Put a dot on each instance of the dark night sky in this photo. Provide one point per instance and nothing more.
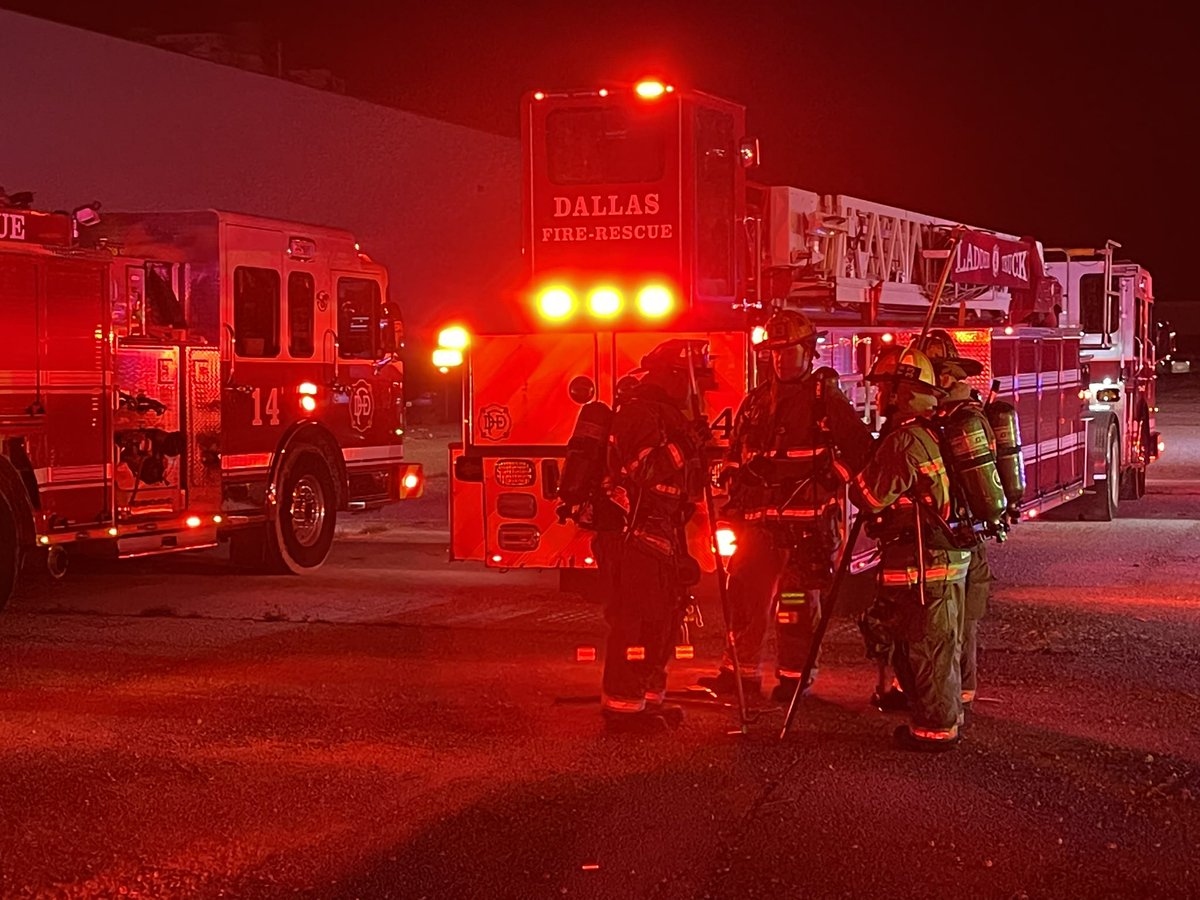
(1072, 128)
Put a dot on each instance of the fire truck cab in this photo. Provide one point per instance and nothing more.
(1110, 303)
(177, 379)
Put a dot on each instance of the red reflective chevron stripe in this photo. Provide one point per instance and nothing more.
(871, 499)
(616, 704)
(934, 734)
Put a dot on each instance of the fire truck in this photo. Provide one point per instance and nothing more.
(640, 223)
(173, 380)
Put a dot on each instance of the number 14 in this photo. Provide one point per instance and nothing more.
(272, 409)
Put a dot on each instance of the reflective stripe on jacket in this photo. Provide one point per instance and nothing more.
(907, 467)
(796, 436)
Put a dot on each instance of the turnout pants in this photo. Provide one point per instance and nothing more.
(765, 582)
(922, 635)
(930, 674)
(644, 607)
(979, 585)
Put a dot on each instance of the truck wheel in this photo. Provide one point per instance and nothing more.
(1101, 506)
(300, 537)
(10, 552)
(1133, 479)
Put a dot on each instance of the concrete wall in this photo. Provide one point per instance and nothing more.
(88, 117)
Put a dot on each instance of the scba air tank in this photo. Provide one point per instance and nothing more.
(587, 454)
(1009, 460)
(967, 446)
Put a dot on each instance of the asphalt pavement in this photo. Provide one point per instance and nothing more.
(397, 726)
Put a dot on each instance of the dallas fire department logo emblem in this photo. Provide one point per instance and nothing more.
(362, 406)
(495, 423)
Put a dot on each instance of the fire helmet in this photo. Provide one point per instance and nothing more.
(905, 364)
(673, 355)
(682, 356)
(944, 355)
(786, 328)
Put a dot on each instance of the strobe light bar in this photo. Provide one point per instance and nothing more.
(560, 304)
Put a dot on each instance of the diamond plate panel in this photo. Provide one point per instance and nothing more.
(203, 412)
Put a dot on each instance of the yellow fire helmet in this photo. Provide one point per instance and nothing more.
(786, 328)
(944, 355)
(905, 364)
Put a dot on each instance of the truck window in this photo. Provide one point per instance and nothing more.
(1091, 304)
(256, 312)
(606, 145)
(715, 185)
(300, 315)
(162, 303)
(358, 318)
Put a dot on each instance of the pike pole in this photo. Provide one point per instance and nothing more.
(722, 585)
(827, 609)
(955, 239)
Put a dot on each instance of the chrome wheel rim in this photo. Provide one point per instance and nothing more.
(307, 511)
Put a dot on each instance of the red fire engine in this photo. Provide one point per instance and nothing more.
(640, 224)
(176, 379)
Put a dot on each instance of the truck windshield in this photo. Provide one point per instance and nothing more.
(609, 145)
(358, 318)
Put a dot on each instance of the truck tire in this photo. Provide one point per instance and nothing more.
(10, 552)
(1101, 505)
(299, 538)
(1133, 479)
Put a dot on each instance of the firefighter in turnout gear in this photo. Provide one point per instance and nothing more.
(655, 478)
(795, 441)
(914, 622)
(952, 371)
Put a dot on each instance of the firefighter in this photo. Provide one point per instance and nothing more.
(655, 479)
(952, 371)
(795, 441)
(888, 695)
(914, 621)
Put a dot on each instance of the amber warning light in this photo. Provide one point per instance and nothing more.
(452, 341)
(558, 303)
(654, 301)
(650, 90)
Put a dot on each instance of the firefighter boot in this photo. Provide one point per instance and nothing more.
(964, 715)
(909, 741)
(645, 721)
(672, 713)
(723, 685)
